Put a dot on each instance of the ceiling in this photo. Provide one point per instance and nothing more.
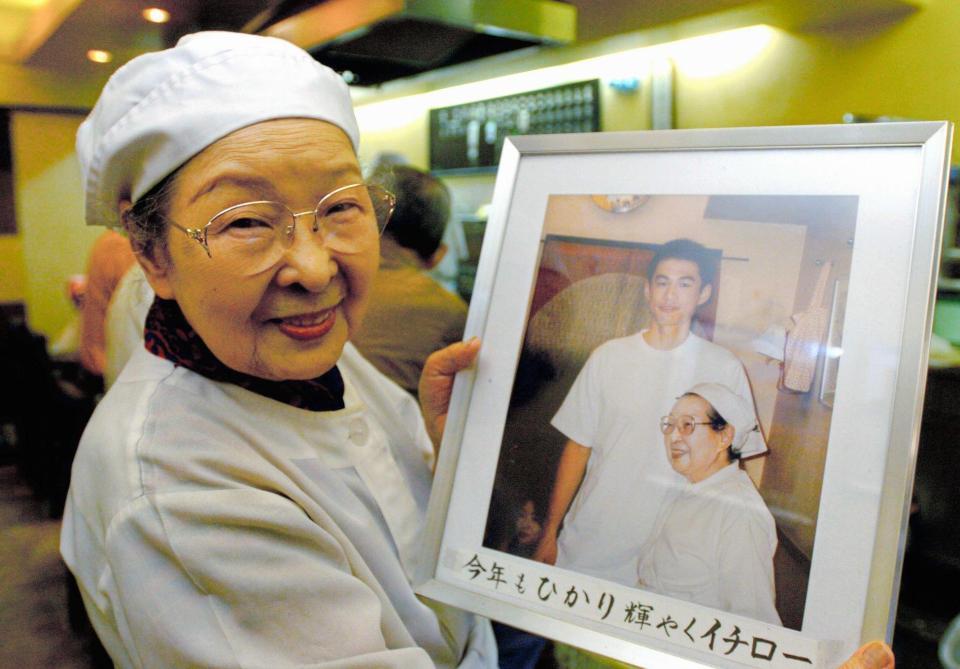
(56, 34)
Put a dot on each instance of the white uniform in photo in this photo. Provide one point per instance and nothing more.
(243, 541)
(714, 545)
(614, 408)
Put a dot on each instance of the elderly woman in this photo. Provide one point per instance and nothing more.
(251, 492)
(714, 542)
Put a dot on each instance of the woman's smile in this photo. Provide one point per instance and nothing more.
(306, 327)
(680, 456)
(697, 455)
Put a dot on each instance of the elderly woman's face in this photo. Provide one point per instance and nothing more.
(291, 320)
(701, 453)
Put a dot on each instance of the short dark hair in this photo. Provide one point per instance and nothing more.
(685, 249)
(422, 211)
(146, 221)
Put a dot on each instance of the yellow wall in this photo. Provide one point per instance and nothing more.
(34, 87)
(32, 270)
(905, 67)
(49, 205)
(13, 274)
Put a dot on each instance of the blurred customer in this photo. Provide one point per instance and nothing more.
(66, 346)
(126, 317)
(411, 315)
(110, 258)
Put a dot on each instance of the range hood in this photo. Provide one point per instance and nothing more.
(373, 41)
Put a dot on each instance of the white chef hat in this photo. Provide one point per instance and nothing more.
(737, 411)
(162, 108)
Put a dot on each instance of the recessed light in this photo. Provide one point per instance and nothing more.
(99, 56)
(156, 15)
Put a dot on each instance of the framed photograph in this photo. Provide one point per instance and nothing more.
(689, 437)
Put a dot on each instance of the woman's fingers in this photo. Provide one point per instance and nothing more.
(874, 655)
(436, 383)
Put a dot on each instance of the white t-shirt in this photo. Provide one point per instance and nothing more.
(614, 408)
(210, 526)
(714, 545)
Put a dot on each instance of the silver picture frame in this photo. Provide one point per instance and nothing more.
(743, 192)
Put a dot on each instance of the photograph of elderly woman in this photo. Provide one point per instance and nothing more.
(607, 466)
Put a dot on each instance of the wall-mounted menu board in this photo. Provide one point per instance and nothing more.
(470, 136)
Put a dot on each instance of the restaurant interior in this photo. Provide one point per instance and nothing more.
(442, 86)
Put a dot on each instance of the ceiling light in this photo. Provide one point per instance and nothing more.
(720, 53)
(156, 15)
(99, 56)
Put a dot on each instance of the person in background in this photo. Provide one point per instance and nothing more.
(519, 649)
(528, 530)
(714, 541)
(66, 345)
(411, 315)
(110, 258)
(126, 316)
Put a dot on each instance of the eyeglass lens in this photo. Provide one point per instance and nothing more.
(685, 425)
(254, 235)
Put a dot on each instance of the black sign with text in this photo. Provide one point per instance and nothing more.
(470, 136)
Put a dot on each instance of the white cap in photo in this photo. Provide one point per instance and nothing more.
(737, 411)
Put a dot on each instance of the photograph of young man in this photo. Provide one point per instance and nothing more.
(612, 477)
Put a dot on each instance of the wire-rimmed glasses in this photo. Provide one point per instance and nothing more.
(255, 235)
(685, 425)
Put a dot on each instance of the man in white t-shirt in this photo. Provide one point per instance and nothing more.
(613, 475)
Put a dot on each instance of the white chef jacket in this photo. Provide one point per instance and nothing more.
(714, 545)
(210, 526)
(614, 408)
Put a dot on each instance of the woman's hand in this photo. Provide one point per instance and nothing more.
(874, 655)
(436, 383)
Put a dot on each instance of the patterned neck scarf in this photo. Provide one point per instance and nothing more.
(168, 335)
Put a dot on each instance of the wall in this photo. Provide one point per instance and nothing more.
(52, 237)
(903, 66)
(33, 87)
(33, 271)
(13, 278)
(793, 472)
